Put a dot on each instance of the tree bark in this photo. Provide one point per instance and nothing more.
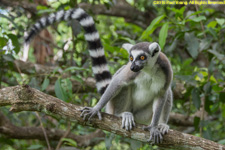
(24, 98)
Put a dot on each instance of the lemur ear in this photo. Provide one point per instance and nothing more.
(127, 46)
(154, 48)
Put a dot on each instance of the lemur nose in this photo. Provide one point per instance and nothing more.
(132, 67)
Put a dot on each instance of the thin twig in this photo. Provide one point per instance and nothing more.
(202, 113)
(64, 136)
(43, 129)
(18, 69)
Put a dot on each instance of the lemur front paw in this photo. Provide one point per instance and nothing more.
(127, 120)
(91, 112)
(156, 136)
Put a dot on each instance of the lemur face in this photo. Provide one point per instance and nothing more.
(142, 54)
(138, 59)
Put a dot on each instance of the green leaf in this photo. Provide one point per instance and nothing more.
(207, 134)
(192, 44)
(187, 62)
(192, 14)
(208, 103)
(3, 42)
(15, 42)
(217, 54)
(212, 24)
(10, 19)
(222, 97)
(213, 32)
(207, 88)
(44, 9)
(56, 70)
(220, 21)
(198, 19)
(34, 83)
(135, 144)
(222, 142)
(45, 84)
(59, 92)
(74, 68)
(163, 35)
(178, 12)
(111, 48)
(70, 142)
(112, 29)
(69, 84)
(151, 28)
(196, 97)
(8, 57)
(68, 89)
(204, 44)
(128, 40)
(108, 140)
(79, 79)
(33, 147)
(196, 122)
(223, 111)
(41, 7)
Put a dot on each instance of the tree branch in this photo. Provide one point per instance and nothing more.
(26, 4)
(29, 68)
(11, 131)
(130, 13)
(24, 98)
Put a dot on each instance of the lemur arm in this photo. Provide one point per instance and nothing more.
(156, 129)
(160, 100)
(112, 90)
(156, 133)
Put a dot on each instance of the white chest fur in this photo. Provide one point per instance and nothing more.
(147, 88)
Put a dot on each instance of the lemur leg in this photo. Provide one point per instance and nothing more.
(158, 105)
(121, 106)
(127, 117)
(163, 127)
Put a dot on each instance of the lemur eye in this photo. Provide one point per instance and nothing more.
(131, 58)
(142, 57)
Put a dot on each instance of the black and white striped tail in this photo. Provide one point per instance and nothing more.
(96, 50)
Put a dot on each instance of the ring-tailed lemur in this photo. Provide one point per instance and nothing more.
(138, 92)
